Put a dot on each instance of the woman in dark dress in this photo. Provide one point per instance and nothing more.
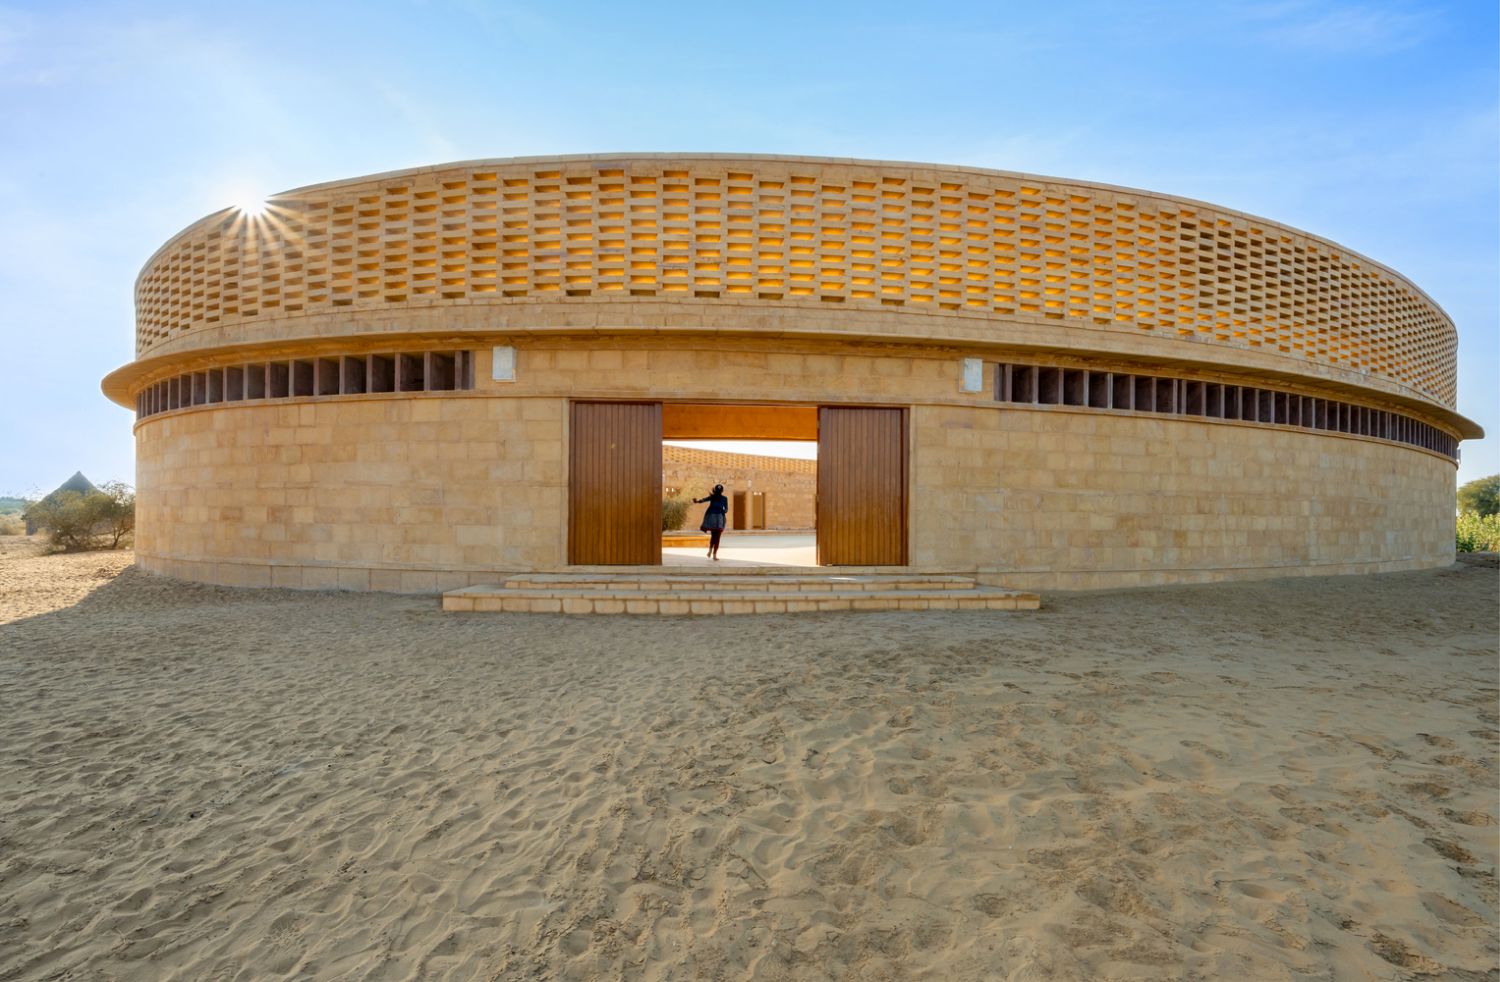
(713, 518)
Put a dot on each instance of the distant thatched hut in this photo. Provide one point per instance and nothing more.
(77, 483)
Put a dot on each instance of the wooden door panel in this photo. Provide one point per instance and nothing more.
(861, 486)
(614, 484)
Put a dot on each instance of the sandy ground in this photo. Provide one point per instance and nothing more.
(1294, 779)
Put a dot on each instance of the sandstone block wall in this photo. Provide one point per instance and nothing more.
(425, 491)
(409, 495)
(1048, 498)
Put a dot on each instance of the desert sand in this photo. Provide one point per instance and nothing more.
(1294, 779)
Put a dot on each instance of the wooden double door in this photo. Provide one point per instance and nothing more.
(861, 486)
(614, 486)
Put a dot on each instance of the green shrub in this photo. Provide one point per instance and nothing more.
(1482, 497)
(674, 512)
(1478, 533)
(12, 525)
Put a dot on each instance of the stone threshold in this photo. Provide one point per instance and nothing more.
(740, 582)
(658, 594)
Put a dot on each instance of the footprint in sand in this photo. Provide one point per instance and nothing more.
(285, 931)
(1450, 911)
(1473, 769)
(1204, 748)
(1256, 891)
(1403, 955)
(991, 904)
(1468, 818)
(1450, 850)
(906, 830)
(1384, 753)
(848, 867)
(1417, 821)
(930, 935)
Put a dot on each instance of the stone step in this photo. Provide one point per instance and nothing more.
(563, 600)
(724, 582)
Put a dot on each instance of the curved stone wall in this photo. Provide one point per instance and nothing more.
(1171, 391)
(427, 490)
(729, 239)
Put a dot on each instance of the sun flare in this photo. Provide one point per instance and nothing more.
(251, 206)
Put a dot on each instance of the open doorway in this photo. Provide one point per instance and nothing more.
(615, 478)
(766, 459)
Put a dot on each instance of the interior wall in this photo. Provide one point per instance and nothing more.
(790, 485)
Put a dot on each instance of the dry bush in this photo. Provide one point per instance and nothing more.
(674, 512)
(77, 522)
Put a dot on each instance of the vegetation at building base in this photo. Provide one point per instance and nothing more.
(674, 512)
(1482, 497)
(1479, 515)
(1478, 533)
(76, 522)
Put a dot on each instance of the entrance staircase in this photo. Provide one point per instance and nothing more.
(751, 591)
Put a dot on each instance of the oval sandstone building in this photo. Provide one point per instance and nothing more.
(419, 380)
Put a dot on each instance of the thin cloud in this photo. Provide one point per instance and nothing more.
(419, 118)
(15, 25)
(1341, 29)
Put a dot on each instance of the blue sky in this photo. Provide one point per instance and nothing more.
(1374, 124)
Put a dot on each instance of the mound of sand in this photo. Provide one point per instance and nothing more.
(1294, 779)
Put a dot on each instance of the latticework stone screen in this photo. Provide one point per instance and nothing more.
(800, 233)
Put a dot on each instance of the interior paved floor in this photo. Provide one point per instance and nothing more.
(795, 549)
